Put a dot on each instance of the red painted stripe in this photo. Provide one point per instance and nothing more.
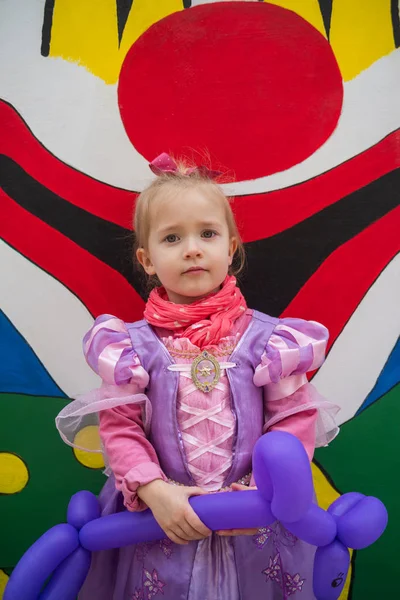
(333, 292)
(98, 286)
(102, 200)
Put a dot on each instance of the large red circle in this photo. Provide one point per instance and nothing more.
(253, 84)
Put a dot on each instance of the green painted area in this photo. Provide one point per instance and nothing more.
(365, 457)
(27, 429)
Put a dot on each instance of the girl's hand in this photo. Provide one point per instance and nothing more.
(172, 511)
(236, 487)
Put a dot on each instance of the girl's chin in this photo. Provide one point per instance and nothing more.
(191, 294)
(201, 292)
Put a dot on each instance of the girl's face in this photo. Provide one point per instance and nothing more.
(189, 248)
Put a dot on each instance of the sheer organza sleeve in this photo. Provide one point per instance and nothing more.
(119, 406)
(292, 403)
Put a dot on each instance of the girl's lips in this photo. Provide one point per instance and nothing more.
(195, 270)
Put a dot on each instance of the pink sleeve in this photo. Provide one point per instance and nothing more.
(132, 458)
(303, 426)
(290, 402)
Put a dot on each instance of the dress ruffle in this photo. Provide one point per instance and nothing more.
(83, 411)
(108, 350)
(184, 345)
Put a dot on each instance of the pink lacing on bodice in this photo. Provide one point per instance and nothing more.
(206, 420)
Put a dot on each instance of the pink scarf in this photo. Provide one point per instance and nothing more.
(205, 321)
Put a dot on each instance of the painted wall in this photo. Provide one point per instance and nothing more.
(298, 99)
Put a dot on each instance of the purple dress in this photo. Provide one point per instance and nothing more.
(273, 564)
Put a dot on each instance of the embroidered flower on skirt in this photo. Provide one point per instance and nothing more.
(293, 583)
(279, 537)
(274, 569)
(152, 584)
(166, 547)
(137, 595)
(275, 532)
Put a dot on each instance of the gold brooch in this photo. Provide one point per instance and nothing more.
(205, 372)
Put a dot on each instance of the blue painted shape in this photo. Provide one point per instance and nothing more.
(21, 371)
(388, 378)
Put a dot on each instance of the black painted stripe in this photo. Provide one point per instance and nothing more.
(279, 266)
(47, 25)
(326, 11)
(394, 8)
(107, 241)
(123, 10)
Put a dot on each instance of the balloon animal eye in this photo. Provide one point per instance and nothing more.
(338, 581)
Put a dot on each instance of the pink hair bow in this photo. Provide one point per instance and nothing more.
(164, 163)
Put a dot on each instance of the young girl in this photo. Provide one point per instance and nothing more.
(186, 393)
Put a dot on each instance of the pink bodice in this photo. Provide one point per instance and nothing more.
(206, 420)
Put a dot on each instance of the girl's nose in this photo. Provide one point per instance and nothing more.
(192, 249)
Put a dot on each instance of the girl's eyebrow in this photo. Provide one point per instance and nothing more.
(177, 226)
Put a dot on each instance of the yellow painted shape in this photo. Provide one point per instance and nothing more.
(142, 15)
(88, 437)
(361, 32)
(86, 32)
(308, 9)
(3, 582)
(13, 473)
(326, 494)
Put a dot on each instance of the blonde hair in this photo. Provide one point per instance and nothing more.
(183, 178)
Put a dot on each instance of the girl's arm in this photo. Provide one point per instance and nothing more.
(131, 457)
(303, 426)
(108, 350)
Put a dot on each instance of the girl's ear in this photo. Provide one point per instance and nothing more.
(144, 259)
(233, 246)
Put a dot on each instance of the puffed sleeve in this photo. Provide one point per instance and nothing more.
(292, 403)
(120, 407)
(108, 350)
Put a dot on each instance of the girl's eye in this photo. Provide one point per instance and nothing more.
(209, 233)
(171, 238)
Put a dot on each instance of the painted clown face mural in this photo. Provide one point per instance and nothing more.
(297, 100)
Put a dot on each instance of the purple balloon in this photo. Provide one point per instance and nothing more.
(119, 530)
(82, 508)
(68, 578)
(226, 510)
(233, 510)
(285, 490)
(282, 458)
(363, 524)
(260, 471)
(344, 503)
(39, 562)
(331, 565)
(317, 527)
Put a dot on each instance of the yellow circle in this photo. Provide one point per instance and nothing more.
(13, 473)
(88, 437)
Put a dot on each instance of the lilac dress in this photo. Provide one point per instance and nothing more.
(208, 442)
